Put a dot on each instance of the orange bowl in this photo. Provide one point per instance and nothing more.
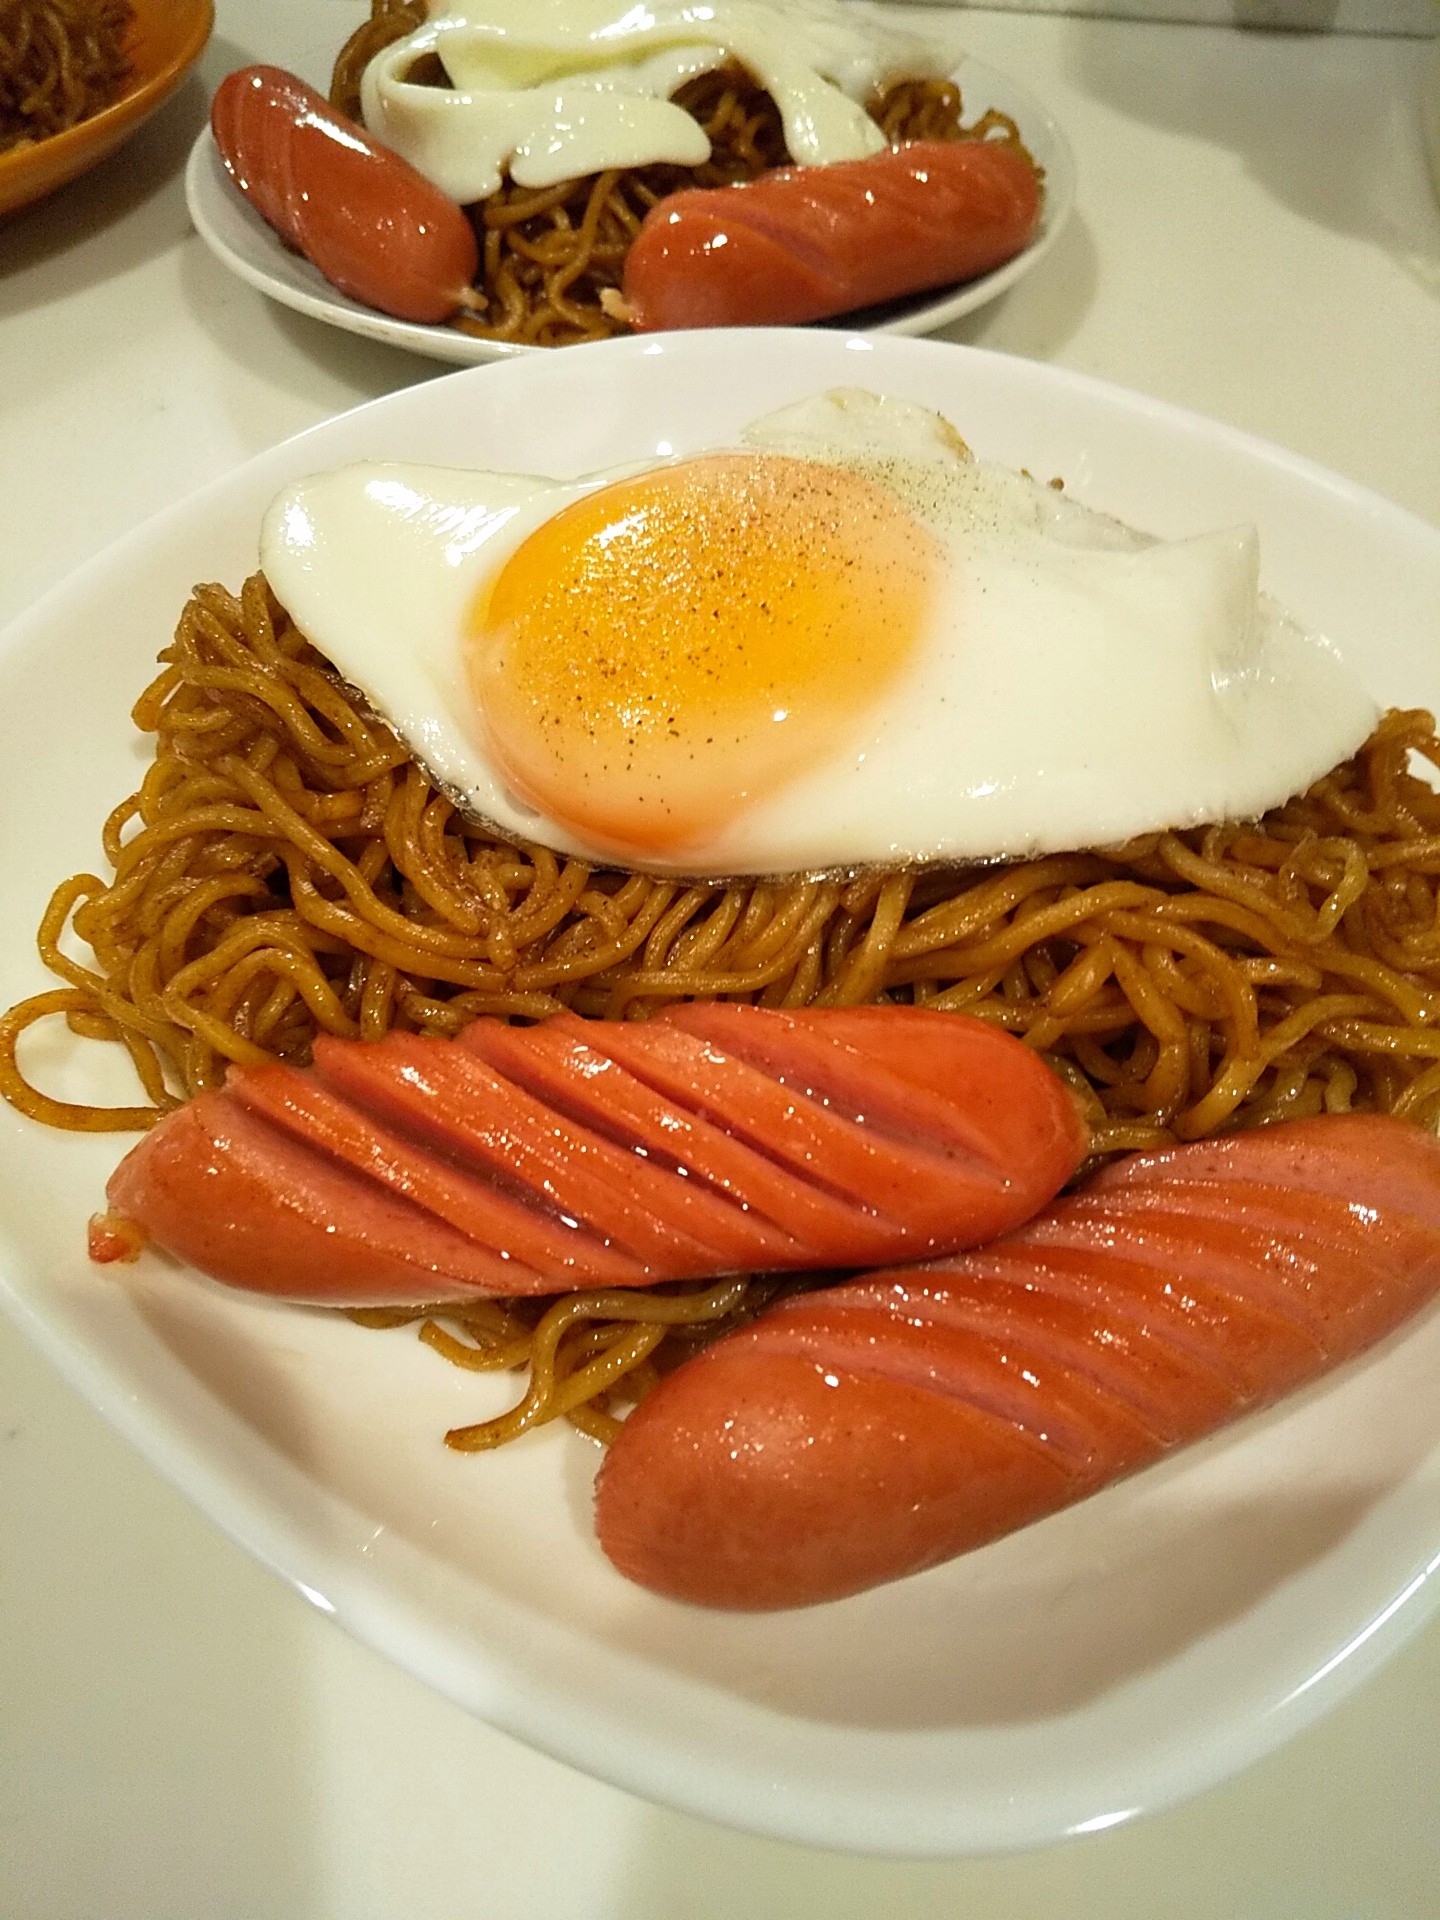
(165, 41)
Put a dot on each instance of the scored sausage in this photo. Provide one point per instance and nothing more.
(861, 1433)
(581, 1153)
(378, 230)
(807, 243)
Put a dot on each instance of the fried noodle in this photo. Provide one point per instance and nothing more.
(549, 253)
(286, 868)
(60, 62)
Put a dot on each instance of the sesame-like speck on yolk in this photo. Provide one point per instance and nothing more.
(670, 649)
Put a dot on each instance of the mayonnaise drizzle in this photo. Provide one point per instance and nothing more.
(552, 89)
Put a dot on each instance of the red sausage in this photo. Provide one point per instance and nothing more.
(803, 243)
(859, 1434)
(583, 1153)
(376, 229)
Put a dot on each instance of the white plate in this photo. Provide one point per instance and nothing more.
(1112, 1658)
(238, 237)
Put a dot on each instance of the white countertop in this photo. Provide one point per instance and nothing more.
(179, 1734)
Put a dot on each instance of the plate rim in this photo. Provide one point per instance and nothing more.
(514, 1701)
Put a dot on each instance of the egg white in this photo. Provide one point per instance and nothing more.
(1078, 684)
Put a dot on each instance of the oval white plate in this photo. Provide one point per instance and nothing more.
(1113, 1658)
(238, 237)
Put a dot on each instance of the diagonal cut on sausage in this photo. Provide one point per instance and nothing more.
(860, 1433)
(583, 1153)
(806, 243)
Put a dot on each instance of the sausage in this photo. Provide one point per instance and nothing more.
(861, 1433)
(378, 230)
(581, 1153)
(805, 243)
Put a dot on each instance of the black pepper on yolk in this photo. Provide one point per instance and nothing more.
(671, 649)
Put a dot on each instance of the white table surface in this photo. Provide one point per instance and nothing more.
(179, 1734)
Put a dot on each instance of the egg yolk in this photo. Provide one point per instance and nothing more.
(669, 650)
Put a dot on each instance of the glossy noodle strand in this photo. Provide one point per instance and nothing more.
(60, 62)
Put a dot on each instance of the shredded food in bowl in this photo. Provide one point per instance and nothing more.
(61, 61)
(286, 868)
(548, 253)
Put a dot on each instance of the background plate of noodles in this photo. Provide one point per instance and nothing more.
(1115, 1657)
(79, 76)
(239, 238)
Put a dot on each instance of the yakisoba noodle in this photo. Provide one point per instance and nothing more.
(549, 253)
(286, 868)
(60, 62)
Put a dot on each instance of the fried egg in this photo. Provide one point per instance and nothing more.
(843, 642)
